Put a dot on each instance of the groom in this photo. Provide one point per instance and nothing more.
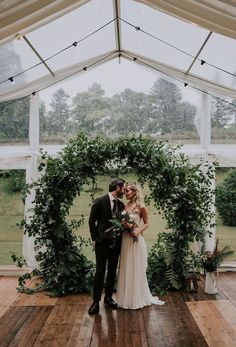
(107, 249)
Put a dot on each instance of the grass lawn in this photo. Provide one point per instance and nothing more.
(11, 212)
(227, 236)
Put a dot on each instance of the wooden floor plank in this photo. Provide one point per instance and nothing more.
(214, 319)
(47, 333)
(143, 335)
(8, 293)
(85, 333)
(12, 322)
(172, 324)
(38, 299)
(64, 327)
(29, 332)
(188, 319)
(226, 283)
(76, 328)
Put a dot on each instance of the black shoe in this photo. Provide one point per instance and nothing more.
(110, 302)
(94, 308)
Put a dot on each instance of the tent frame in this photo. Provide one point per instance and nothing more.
(27, 157)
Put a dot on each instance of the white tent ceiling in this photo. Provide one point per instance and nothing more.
(157, 39)
(26, 15)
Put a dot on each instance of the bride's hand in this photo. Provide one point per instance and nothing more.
(135, 233)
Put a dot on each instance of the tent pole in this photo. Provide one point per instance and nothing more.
(31, 175)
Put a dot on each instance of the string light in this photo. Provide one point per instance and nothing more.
(74, 44)
(11, 80)
(137, 28)
(176, 48)
(142, 62)
(34, 94)
(134, 59)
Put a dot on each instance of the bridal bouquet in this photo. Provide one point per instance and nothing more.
(124, 221)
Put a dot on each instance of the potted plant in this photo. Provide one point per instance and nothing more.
(210, 262)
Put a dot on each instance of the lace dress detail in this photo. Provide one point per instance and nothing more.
(133, 291)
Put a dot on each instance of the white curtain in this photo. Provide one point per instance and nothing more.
(215, 15)
(31, 175)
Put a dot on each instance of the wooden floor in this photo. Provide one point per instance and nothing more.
(187, 319)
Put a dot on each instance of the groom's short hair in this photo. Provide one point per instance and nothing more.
(116, 182)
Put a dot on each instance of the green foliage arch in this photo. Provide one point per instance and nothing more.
(179, 190)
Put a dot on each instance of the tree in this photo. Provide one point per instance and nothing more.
(10, 65)
(222, 113)
(14, 119)
(226, 199)
(185, 117)
(165, 98)
(59, 115)
(167, 111)
(91, 110)
(14, 115)
(132, 112)
(42, 117)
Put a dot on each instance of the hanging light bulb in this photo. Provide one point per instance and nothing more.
(85, 68)
(134, 59)
(203, 62)
(11, 80)
(34, 94)
(185, 84)
(119, 58)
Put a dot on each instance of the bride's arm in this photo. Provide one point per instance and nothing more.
(144, 217)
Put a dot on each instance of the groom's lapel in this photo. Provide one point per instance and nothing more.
(108, 205)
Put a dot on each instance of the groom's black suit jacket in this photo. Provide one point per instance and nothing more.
(100, 216)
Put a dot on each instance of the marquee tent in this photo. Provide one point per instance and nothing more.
(189, 41)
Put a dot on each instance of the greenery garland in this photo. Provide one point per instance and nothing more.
(180, 190)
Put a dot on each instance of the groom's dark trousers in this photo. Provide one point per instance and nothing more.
(107, 250)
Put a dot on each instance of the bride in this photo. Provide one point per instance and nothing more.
(132, 290)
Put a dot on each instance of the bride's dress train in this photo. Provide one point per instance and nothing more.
(132, 290)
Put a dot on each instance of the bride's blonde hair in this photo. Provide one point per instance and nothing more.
(138, 200)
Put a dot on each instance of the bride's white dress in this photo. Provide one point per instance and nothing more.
(132, 290)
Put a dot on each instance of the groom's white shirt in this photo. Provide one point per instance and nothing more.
(111, 197)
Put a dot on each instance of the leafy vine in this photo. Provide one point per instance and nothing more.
(180, 190)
